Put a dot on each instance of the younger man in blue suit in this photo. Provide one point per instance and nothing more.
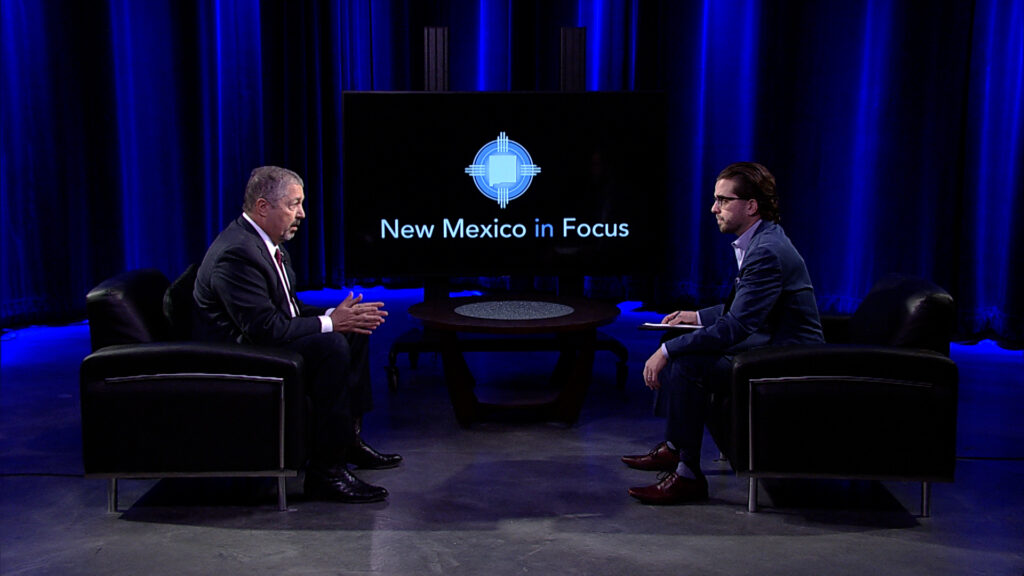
(772, 304)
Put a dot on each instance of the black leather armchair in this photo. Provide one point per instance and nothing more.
(156, 404)
(878, 401)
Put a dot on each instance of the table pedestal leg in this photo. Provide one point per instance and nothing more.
(573, 373)
(572, 376)
(459, 380)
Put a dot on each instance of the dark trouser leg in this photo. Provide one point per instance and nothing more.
(686, 400)
(359, 374)
(339, 389)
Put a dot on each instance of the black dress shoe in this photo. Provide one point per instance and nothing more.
(339, 485)
(362, 455)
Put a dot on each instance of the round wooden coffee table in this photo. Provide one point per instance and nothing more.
(572, 322)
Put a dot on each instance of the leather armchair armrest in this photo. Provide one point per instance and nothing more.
(836, 328)
(192, 407)
(844, 410)
(844, 360)
(205, 357)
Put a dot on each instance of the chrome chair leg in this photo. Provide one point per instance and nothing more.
(926, 499)
(752, 494)
(112, 496)
(282, 494)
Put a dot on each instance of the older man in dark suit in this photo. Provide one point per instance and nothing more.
(245, 292)
(772, 304)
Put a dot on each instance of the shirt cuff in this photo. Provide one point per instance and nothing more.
(326, 324)
(664, 351)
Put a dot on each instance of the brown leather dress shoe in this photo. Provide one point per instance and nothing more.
(660, 459)
(672, 489)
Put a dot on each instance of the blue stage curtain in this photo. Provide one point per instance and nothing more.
(991, 282)
(895, 132)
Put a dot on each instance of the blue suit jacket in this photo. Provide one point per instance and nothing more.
(239, 296)
(774, 303)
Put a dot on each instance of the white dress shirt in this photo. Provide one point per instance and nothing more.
(326, 325)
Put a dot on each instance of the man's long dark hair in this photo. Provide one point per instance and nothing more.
(755, 181)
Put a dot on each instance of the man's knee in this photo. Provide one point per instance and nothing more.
(688, 370)
(681, 368)
(320, 348)
(358, 345)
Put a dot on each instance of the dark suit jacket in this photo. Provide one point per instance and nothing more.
(773, 305)
(239, 296)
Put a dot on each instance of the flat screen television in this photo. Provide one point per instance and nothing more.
(502, 183)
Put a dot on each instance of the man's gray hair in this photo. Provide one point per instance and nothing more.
(270, 183)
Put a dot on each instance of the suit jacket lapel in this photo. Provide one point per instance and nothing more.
(287, 260)
(758, 237)
(277, 291)
(731, 296)
(754, 241)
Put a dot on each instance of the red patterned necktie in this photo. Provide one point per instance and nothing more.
(284, 278)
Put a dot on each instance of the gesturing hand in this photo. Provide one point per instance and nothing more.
(354, 315)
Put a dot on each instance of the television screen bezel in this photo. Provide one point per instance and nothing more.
(647, 259)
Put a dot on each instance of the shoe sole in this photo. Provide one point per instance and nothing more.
(667, 467)
(328, 497)
(669, 502)
(384, 467)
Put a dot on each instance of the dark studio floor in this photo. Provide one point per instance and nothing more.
(499, 498)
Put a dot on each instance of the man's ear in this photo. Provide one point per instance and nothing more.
(752, 209)
(261, 207)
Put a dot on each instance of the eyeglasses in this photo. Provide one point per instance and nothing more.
(723, 201)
